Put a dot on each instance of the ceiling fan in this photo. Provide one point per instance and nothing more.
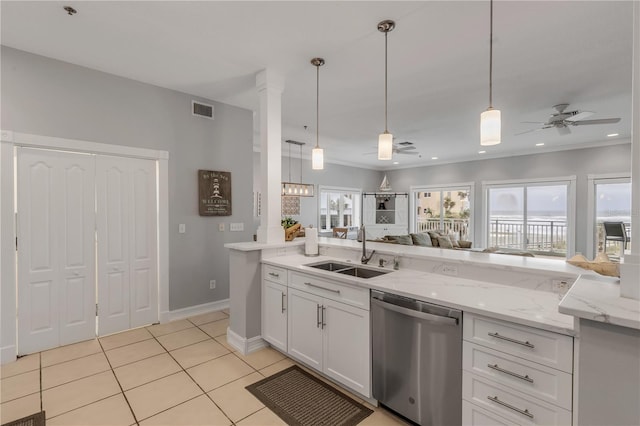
(563, 119)
(405, 148)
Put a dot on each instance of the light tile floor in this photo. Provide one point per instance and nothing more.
(179, 373)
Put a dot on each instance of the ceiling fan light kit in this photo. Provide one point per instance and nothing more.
(317, 154)
(490, 120)
(385, 139)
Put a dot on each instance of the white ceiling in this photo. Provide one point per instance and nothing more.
(545, 53)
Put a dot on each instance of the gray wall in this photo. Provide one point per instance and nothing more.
(48, 97)
(579, 162)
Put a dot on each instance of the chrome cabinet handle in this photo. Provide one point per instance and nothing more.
(323, 288)
(324, 311)
(273, 274)
(509, 339)
(318, 320)
(502, 370)
(282, 302)
(509, 406)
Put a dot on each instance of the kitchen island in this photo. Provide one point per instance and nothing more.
(510, 293)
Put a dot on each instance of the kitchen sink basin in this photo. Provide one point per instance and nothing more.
(330, 266)
(348, 269)
(362, 272)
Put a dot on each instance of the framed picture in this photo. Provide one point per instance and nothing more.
(214, 193)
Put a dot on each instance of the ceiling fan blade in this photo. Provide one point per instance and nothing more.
(406, 148)
(534, 122)
(408, 153)
(530, 131)
(580, 116)
(598, 121)
(563, 130)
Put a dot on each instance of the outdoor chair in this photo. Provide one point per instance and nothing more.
(340, 232)
(615, 231)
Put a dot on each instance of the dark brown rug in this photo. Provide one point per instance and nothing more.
(298, 398)
(32, 420)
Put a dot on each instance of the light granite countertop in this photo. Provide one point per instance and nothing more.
(520, 305)
(598, 298)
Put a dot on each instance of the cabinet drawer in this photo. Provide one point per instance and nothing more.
(511, 404)
(544, 347)
(358, 297)
(537, 380)
(472, 415)
(275, 274)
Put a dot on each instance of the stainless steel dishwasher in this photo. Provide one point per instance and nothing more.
(417, 359)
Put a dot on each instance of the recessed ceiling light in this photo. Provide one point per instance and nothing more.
(540, 144)
(395, 162)
(482, 152)
(610, 135)
(434, 158)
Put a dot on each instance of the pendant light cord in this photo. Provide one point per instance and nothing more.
(491, 55)
(317, 106)
(289, 162)
(301, 161)
(385, 82)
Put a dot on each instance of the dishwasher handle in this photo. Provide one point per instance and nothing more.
(415, 314)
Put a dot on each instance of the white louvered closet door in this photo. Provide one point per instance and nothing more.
(127, 243)
(56, 248)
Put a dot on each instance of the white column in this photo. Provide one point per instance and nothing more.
(270, 86)
(630, 269)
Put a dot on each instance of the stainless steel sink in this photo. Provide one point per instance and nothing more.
(330, 266)
(362, 272)
(348, 269)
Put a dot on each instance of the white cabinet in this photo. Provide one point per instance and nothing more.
(274, 307)
(305, 332)
(515, 372)
(329, 335)
(385, 214)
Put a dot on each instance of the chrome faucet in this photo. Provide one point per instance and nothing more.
(364, 258)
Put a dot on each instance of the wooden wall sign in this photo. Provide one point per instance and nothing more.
(214, 193)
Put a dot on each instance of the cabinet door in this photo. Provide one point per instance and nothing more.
(402, 210)
(305, 328)
(274, 314)
(369, 210)
(346, 345)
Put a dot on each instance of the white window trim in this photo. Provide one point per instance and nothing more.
(571, 204)
(357, 215)
(592, 181)
(430, 188)
(11, 140)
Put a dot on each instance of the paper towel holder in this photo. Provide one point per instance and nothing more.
(317, 247)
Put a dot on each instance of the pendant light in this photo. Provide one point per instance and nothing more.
(317, 154)
(385, 140)
(490, 126)
(296, 189)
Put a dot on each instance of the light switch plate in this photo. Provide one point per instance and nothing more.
(236, 226)
(182, 228)
(221, 227)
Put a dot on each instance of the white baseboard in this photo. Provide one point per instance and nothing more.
(190, 311)
(245, 346)
(7, 354)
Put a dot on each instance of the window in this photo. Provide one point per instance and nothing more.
(533, 216)
(445, 208)
(609, 201)
(339, 207)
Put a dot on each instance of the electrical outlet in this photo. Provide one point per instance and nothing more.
(221, 227)
(212, 284)
(450, 270)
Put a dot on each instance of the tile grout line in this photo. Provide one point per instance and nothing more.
(119, 385)
(192, 379)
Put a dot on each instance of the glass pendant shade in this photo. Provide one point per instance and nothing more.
(490, 127)
(317, 158)
(385, 146)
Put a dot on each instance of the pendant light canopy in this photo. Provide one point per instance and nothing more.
(490, 122)
(385, 140)
(317, 154)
